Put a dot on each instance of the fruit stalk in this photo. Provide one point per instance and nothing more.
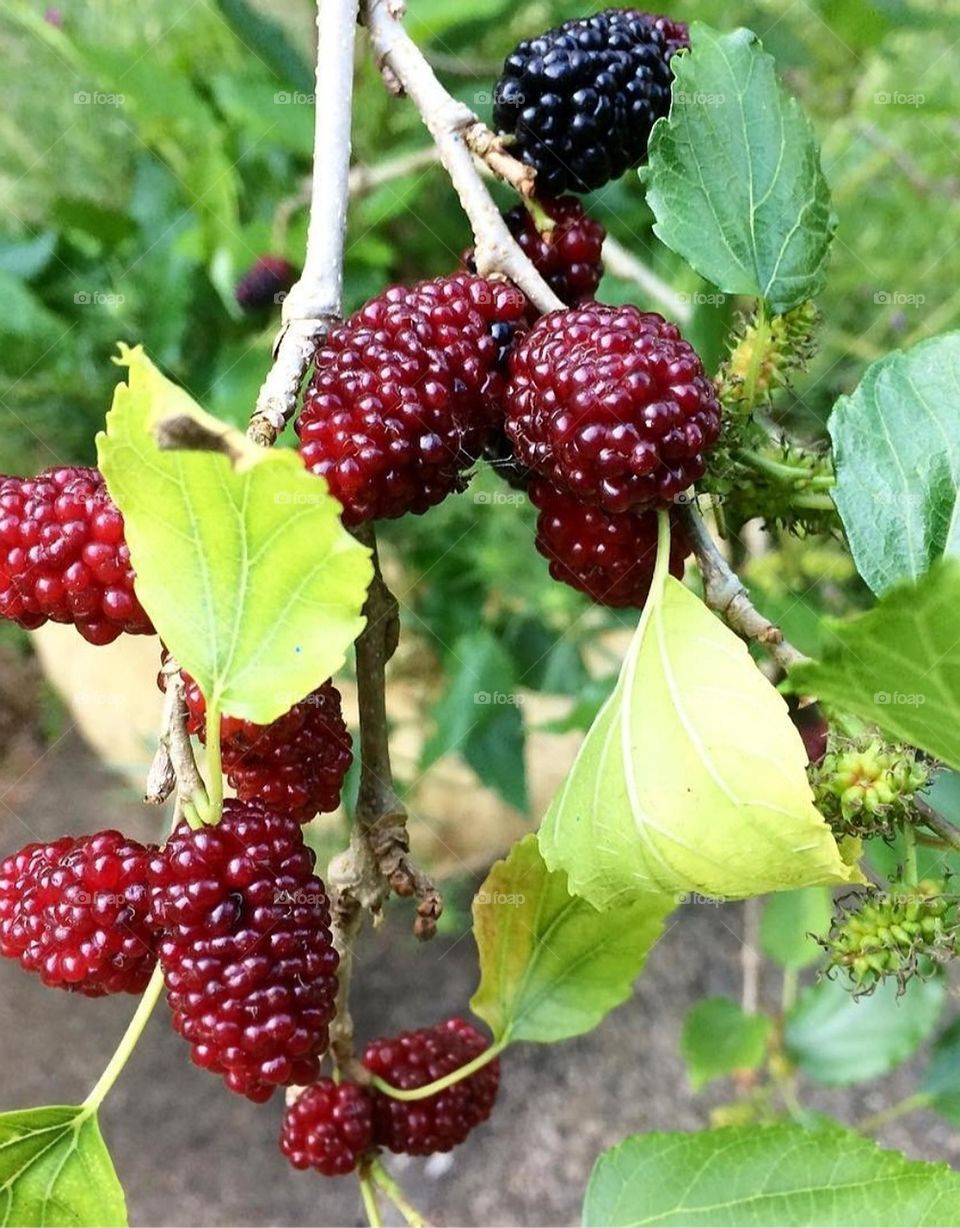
(448, 121)
(128, 1043)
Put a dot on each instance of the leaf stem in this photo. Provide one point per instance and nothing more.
(128, 1043)
(909, 1104)
(441, 1085)
(396, 1195)
(662, 565)
(214, 808)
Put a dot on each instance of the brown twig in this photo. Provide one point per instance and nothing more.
(949, 834)
(725, 593)
(450, 122)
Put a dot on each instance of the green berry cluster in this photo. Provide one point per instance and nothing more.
(867, 788)
(901, 932)
(764, 354)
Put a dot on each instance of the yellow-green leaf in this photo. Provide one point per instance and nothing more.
(692, 778)
(551, 965)
(55, 1171)
(242, 562)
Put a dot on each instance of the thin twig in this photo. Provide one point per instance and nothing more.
(314, 304)
(949, 834)
(750, 956)
(452, 123)
(377, 860)
(362, 179)
(724, 592)
(624, 264)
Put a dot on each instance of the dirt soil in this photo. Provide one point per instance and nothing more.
(188, 1152)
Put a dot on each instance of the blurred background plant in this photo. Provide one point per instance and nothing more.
(148, 156)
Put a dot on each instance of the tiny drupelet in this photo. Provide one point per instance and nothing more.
(245, 947)
(265, 283)
(63, 556)
(405, 394)
(295, 765)
(414, 1059)
(612, 406)
(610, 556)
(582, 99)
(329, 1127)
(568, 255)
(75, 911)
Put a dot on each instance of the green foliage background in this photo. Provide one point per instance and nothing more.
(149, 153)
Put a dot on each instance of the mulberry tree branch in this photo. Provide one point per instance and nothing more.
(458, 134)
(724, 592)
(315, 303)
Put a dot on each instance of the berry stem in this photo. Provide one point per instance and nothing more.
(397, 1196)
(797, 474)
(370, 1204)
(128, 1043)
(441, 1085)
(910, 872)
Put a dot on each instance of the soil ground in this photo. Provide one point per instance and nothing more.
(190, 1153)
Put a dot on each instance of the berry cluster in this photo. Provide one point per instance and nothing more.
(332, 1126)
(295, 765)
(891, 933)
(581, 99)
(864, 787)
(63, 556)
(76, 912)
(235, 914)
(607, 555)
(611, 405)
(567, 252)
(405, 394)
(245, 948)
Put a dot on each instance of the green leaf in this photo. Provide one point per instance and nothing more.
(692, 778)
(734, 174)
(836, 1038)
(55, 1170)
(896, 443)
(787, 921)
(273, 48)
(898, 665)
(242, 563)
(719, 1038)
(551, 966)
(774, 1176)
(479, 716)
(941, 1083)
